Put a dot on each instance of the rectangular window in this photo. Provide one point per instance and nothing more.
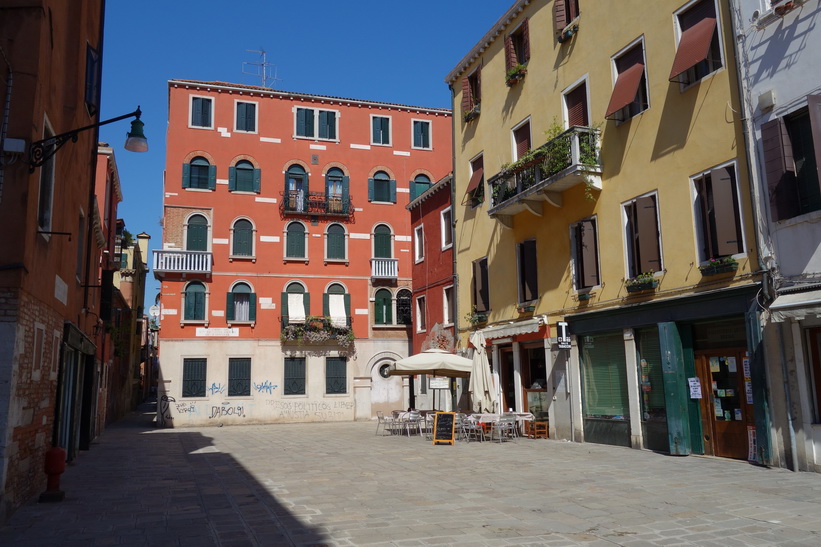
(476, 186)
(239, 377)
(39, 346)
(630, 96)
(481, 287)
(792, 155)
(642, 236)
(528, 270)
(382, 189)
(471, 94)
(604, 376)
(92, 89)
(521, 140)
(421, 134)
(46, 198)
(575, 102)
(446, 225)
(419, 243)
(447, 305)
(565, 11)
(698, 53)
(294, 383)
(201, 112)
(421, 314)
(585, 254)
(305, 122)
(193, 377)
(336, 375)
(517, 46)
(327, 124)
(81, 230)
(717, 213)
(381, 130)
(246, 119)
(315, 123)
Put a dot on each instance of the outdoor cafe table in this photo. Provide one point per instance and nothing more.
(487, 419)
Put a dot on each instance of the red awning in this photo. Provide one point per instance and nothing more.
(475, 179)
(626, 88)
(693, 46)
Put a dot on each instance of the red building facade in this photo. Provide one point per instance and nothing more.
(287, 252)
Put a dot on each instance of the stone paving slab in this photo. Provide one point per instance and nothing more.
(337, 484)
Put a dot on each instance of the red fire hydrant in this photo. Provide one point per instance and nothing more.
(54, 466)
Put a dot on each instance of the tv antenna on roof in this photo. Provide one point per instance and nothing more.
(262, 70)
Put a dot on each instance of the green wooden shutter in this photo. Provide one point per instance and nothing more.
(377, 130)
(300, 122)
(306, 299)
(370, 189)
(604, 377)
(232, 178)
(347, 298)
(417, 134)
(346, 194)
(252, 306)
(212, 177)
(392, 186)
(284, 308)
(229, 306)
(326, 305)
(186, 175)
(378, 310)
(257, 180)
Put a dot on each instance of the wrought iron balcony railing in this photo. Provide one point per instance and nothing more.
(564, 161)
(297, 202)
(182, 262)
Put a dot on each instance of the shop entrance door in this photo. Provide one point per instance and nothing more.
(725, 413)
(507, 378)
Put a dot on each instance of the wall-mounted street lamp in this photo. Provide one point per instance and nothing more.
(41, 151)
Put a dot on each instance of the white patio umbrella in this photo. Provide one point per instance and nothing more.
(435, 362)
(481, 387)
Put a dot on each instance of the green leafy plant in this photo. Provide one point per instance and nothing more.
(514, 74)
(469, 115)
(719, 265)
(475, 317)
(646, 278)
(317, 330)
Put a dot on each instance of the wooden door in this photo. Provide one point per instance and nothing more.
(725, 412)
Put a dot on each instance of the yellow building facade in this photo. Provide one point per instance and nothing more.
(603, 235)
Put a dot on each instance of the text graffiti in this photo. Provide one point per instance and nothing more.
(265, 387)
(216, 388)
(227, 410)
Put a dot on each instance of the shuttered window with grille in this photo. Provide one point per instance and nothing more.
(193, 377)
(239, 377)
(604, 376)
(294, 378)
(336, 379)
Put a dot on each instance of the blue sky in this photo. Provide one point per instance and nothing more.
(392, 51)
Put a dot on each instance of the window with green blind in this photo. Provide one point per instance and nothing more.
(336, 242)
(196, 237)
(305, 122)
(243, 238)
(382, 242)
(294, 380)
(327, 124)
(246, 117)
(243, 177)
(604, 376)
(193, 377)
(382, 188)
(295, 240)
(381, 126)
(241, 303)
(421, 134)
(194, 302)
(418, 185)
(336, 375)
(383, 307)
(651, 374)
(201, 111)
(200, 174)
(239, 377)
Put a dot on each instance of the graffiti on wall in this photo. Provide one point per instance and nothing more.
(265, 387)
(323, 410)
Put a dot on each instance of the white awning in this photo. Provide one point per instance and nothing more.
(512, 329)
(796, 306)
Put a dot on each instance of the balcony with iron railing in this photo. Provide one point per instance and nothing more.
(384, 268)
(297, 202)
(182, 262)
(570, 158)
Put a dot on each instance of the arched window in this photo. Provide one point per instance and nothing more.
(418, 185)
(243, 238)
(403, 307)
(295, 304)
(336, 304)
(382, 188)
(383, 307)
(241, 303)
(296, 188)
(194, 305)
(335, 242)
(295, 240)
(336, 191)
(243, 177)
(196, 237)
(199, 174)
(382, 244)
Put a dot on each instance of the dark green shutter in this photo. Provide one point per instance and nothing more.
(229, 306)
(377, 130)
(300, 122)
(193, 377)
(370, 189)
(676, 388)
(309, 123)
(413, 192)
(346, 194)
(604, 377)
(186, 175)
(232, 178)
(392, 186)
(257, 180)
(212, 177)
(284, 308)
(306, 299)
(326, 305)
(417, 134)
(252, 306)
(347, 298)
(378, 313)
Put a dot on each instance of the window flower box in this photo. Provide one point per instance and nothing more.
(526, 309)
(642, 282)
(514, 74)
(317, 330)
(472, 114)
(718, 266)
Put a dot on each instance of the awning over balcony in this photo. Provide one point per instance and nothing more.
(626, 88)
(694, 46)
(796, 306)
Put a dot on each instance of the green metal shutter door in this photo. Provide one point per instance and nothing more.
(604, 376)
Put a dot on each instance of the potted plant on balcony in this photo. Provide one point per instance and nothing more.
(642, 282)
(317, 330)
(722, 264)
(514, 74)
(476, 318)
(471, 114)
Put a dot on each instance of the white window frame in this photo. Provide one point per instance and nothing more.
(419, 244)
(446, 227)
(584, 80)
(47, 170)
(626, 243)
(430, 134)
(447, 320)
(470, 168)
(285, 257)
(316, 111)
(513, 136)
(256, 116)
(231, 255)
(697, 220)
(345, 260)
(390, 130)
(205, 320)
(209, 237)
(677, 26)
(421, 319)
(574, 256)
(191, 111)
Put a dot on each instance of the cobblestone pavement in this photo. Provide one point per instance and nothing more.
(337, 484)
